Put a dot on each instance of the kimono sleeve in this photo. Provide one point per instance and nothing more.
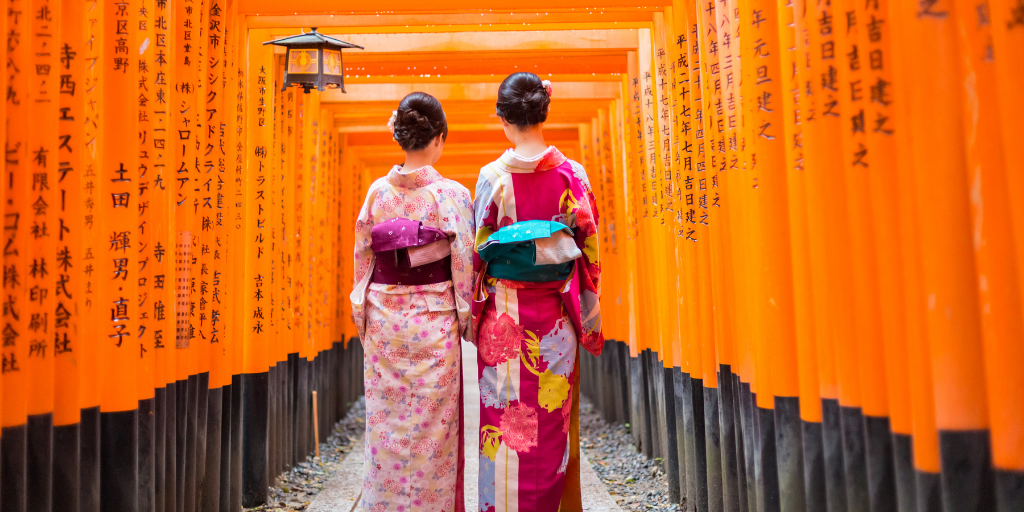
(456, 209)
(583, 215)
(363, 258)
(485, 209)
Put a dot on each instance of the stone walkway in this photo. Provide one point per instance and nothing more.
(341, 493)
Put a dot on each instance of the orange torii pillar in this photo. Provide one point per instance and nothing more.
(1007, 456)
(117, 263)
(237, 38)
(948, 280)
(185, 63)
(16, 239)
(289, 115)
(212, 210)
(199, 289)
(666, 230)
(68, 314)
(638, 179)
(828, 227)
(709, 154)
(42, 220)
(159, 304)
(683, 142)
(256, 281)
(694, 424)
(147, 240)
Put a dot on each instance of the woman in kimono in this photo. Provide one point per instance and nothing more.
(411, 305)
(536, 297)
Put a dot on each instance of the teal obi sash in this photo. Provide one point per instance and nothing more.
(536, 251)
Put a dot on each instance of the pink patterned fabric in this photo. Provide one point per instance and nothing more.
(527, 335)
(411, 340)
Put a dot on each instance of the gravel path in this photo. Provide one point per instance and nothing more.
(634, 481)
(295, 489)
(637, 483)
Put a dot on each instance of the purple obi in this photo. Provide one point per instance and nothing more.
(409, 253)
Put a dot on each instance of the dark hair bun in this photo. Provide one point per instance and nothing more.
(419, 121)
(523, 100)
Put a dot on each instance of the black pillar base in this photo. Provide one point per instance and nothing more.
(254, 438)
(147, 449)
(66, 474)
(13, 450)
(39, 463)
(119, 461)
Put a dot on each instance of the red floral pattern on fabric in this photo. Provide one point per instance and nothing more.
(500, 338)
(519, 427)
(514, 285)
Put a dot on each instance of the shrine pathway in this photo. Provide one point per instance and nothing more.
(341, 492)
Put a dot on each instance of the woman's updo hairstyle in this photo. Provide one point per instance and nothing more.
(419, 121)
(523, 100)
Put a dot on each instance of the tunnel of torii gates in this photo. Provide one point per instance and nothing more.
(811, 217)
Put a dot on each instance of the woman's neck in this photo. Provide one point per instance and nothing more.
(415, 160)
(530, 141)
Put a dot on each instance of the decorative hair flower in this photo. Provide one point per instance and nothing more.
(391, 122)
(547, 86)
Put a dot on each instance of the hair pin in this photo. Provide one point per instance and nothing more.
(547, 86)
(391, 123)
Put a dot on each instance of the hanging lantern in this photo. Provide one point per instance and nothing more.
(313, 60)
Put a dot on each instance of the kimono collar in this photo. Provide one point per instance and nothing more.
(510, 161)
(412, 179)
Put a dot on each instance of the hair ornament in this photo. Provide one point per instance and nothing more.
(547, 86)
(391, 123)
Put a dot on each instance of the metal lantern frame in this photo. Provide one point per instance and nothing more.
(313, 41)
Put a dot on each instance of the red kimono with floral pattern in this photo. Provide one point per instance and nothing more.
(527, 335)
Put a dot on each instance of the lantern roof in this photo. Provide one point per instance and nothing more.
(313, 37)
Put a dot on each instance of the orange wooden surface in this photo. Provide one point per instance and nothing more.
(791, 53)
(866, 316)
(690, 196)
(719, 198)
(827, 211)
(118, 178)
(162, 186)
(43, 214)
(919, 362)
(147, 229)
(663, 191)
(706, 165)
(16, 222)
(184, 134)
(1008, 43)
(948, 279)
(236, 229)
(300, 184)
(880, 116)
(217, 163)
(992, 231)
(319, 6)
(256, 186)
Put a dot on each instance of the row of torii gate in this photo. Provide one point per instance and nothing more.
(812, 237)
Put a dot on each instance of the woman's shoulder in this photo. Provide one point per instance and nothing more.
(579, 172)
(376, 185)
(453, 189)
(451, 184)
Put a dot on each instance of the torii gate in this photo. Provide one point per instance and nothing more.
(812, 237)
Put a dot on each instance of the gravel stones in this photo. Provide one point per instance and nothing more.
(296, 488)
(636, 482)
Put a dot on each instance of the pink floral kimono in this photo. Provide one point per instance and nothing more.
(536, 297)
(411, 305)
